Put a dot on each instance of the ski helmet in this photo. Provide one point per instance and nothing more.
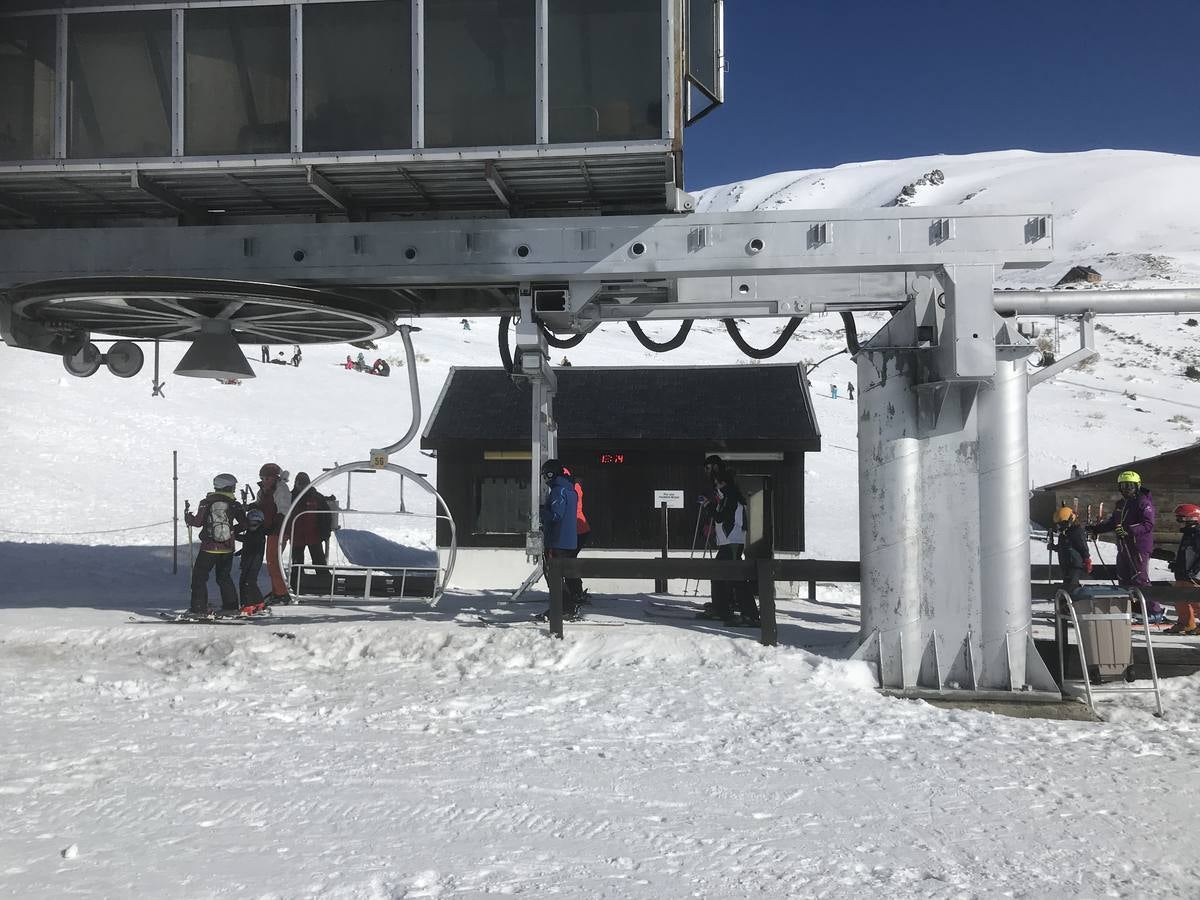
(1129, 477)
(224, 482)
(1187, 512)
(269, 469)
(1064, 515)
(254, 517)
(551, 468)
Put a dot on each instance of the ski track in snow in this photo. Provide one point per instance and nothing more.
(420, 760)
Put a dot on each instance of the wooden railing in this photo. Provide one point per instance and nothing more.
(764, 572)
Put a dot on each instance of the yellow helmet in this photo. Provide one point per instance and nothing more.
(1129, 477)
(1063, 515)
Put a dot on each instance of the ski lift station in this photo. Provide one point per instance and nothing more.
(230, 173)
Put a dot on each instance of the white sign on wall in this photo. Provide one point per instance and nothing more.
(673, 499)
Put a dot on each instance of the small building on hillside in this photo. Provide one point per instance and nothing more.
(625, 433)
(1172, 477)
(1079, 275)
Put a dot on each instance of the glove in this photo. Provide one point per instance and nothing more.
(1087, 566)
(1121, 532)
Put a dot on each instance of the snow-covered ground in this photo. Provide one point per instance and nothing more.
(407, 752)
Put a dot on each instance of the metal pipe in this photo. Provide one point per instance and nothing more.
(413, 389)
(1078, 302)
(1003, 459)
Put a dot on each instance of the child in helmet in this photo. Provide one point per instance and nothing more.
(1186, 567)
(218, 515)
(1070, 540)
(254, 541)
(1132, 521)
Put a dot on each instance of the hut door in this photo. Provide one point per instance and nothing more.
(760, 536)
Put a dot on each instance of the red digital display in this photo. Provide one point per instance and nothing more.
(608, 459)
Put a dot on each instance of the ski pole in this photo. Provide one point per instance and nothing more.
(187, 511)
(1096, 544)
(695, 537)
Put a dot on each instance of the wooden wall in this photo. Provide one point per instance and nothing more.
(618, 497)
(1172, 479)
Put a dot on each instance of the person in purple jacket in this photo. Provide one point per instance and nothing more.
(1132, 521)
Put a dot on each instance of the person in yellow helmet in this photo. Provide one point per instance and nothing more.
(1070, 540)
(1132, 521)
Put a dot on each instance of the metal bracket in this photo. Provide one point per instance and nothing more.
(1087, 350)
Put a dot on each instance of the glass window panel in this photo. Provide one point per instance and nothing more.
(357, 76)
(27, 88)
(237, 81)
(119, 85)
(605, 70)
(479, 82)
(702, 43)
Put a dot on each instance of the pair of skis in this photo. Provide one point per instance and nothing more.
(535, 622)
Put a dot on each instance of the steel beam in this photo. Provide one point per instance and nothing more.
(327, 189)
(741, 246)
(141, 182)
(496, 183)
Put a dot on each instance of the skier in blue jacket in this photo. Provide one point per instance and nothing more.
(558, 522)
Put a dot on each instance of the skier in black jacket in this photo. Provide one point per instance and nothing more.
(1186, 568)
(253, 538)
(1069, 538)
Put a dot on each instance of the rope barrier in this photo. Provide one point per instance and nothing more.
(76, 533)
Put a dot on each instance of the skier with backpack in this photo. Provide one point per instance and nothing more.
(1186, 568)
(218, 516)
(254, 541)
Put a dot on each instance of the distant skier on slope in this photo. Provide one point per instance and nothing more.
(1132, 521)
(218, 515)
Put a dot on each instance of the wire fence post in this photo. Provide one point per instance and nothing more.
(175, 512)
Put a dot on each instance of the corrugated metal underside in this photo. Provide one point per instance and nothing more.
(627, 184)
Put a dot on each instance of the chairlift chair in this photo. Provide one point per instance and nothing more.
(366, 583)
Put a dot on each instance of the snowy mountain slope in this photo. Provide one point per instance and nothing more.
(396, 753)
(1130, 214)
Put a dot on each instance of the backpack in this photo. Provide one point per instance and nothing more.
(220, 520)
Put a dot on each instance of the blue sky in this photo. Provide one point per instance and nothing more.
(814, 83)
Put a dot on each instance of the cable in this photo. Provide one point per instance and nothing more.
(75, 533)
(561, 343)
(851, 332)
(767, 352)
(506, 359)
(673, 344)
(813, 367)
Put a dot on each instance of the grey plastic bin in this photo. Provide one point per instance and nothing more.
(1107, 643)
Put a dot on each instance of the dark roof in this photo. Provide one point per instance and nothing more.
(1121, 467)
(715, 405)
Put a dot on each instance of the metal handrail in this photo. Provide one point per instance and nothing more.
(1060, 639)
